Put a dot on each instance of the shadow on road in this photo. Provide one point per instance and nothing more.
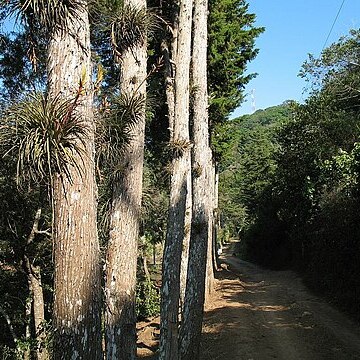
(261, 314)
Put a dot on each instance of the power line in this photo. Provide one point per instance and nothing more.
(332, 26)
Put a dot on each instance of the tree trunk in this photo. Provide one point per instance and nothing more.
(170, 72)
(169, 51)
(146, 269)
(77, 299)
(36, 292)
(28, 311)
(191, 326)
(36, 296)
(169, 84)
(211, 251)
(154, 254)
(186, 243)
(180, 188)
(125, 218)
(216, 219)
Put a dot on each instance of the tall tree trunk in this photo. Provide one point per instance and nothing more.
(28, 312)
(36, 294)
(169, 83)
(201, 169)
(125, 218)
(180, 187)
(211, 251)
(77, 300)
(216, 218)
(186, 242)
(169, 53)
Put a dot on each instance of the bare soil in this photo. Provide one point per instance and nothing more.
(258, 314)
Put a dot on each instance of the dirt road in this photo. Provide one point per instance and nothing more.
(260, 314)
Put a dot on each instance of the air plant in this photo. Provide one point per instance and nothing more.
(128, 26)
(44, 17)
(45, 135)
(178, 147)
(50, 14)
(115, 128)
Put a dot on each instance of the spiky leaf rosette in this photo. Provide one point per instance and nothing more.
(127, 25)
(49, 14)
(128, 29)
(45, 135)
(115, 128)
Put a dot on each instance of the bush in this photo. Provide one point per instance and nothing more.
(147, 299)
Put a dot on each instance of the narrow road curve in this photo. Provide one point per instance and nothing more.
(258, 314)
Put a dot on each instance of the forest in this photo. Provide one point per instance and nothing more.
(289, 178)
(122, 175)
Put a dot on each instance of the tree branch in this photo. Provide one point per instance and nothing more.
(35, 228)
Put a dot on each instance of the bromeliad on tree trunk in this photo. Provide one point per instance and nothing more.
(130, 50)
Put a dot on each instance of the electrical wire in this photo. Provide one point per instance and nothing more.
(332, 26)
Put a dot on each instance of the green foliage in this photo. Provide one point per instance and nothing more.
(248, 166)
(8, 353)
(147, 299)
(232, 37)
(125, 25)
(49, 14)
(115, 127)
(297, 179)
(342, 170)
(154, 204)
(45, 135)
(16, 68)
(224, 235)
(17, 210)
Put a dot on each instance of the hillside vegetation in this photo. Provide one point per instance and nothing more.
(290, 178)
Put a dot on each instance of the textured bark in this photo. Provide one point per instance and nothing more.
(77, 308)
(28, 311)
(180, 187)
(121, 258)
(186, 242)
(36, 295)
(211, 250)
(170, 71)
(169, 84)
(216, 215)
(191, 326)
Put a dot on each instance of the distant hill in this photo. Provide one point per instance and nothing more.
(248, 144)
(278, 114)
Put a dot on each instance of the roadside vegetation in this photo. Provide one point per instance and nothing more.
(121, 172)
(108, 183)
(289, 185)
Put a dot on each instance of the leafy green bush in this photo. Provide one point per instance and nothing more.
(147, 299)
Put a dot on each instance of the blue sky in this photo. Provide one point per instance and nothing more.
(294, 28)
